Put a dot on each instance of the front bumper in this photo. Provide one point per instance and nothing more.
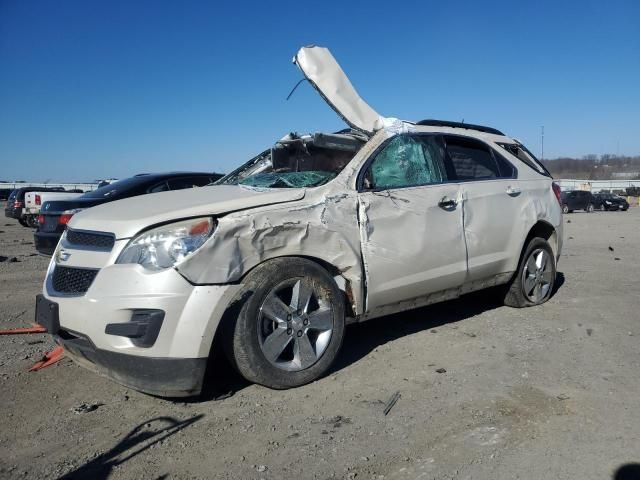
(164, 377)
(174, 363)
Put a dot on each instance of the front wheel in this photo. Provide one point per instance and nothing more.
(290, 328)
(23, 222)
(565, 209)
(533, 283)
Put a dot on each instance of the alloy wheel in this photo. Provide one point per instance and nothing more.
(537, 276)
(295, 324)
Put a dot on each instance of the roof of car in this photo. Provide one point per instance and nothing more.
(466, 126)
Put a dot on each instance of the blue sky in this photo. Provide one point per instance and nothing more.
(94, 89)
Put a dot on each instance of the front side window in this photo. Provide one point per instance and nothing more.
(407, 160)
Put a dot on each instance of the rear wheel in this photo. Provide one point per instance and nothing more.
(290, 329)
(565, 209)
(589, 208)
(32, 221)
(533, 282)
(23, 222)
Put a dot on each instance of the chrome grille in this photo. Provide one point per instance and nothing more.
(99, 240)
(73, 280)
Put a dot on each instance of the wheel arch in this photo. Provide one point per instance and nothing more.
(345, 285)
(545, 230)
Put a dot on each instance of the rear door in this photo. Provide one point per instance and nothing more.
(493, 200)
(410, 222)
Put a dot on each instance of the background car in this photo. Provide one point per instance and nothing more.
(609, 201)
(15, 207)
(4, 193)
(55, 215)
(577, 200)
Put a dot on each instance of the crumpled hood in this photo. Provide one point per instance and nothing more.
(127, 217)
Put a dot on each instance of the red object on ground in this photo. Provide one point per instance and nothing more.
(20, 331)
(49, 358)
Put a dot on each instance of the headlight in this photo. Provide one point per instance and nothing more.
(607, 202)
(164, 246)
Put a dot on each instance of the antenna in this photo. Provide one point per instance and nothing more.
(542, 142)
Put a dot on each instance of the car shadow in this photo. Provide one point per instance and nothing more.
(629, 471)
(223, 381)
(139, 439)
(361, 339)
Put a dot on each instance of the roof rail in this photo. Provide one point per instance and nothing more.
(469, 126)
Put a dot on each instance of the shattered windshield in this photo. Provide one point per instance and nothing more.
(298, 162)
(288, 179)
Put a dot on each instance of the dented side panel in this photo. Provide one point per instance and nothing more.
(323, 226)
(411, 246)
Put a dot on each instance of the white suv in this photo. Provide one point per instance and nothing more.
(318, 231)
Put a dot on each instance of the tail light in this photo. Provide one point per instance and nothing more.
(41, 219)
(557, 191)
(64, 218)
(17, 204)
(38, 200)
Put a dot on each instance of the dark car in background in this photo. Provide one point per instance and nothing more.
(55, 215)
(609, 201)
(4, 193)
(577, 200)
(15, 202)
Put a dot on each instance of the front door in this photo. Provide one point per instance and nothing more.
(410, 222)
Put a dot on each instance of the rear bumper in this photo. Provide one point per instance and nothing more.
(11, 213)
(164, 377)
(46, 242)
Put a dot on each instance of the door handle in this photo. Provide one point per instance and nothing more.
(446, 202)
(513, 191)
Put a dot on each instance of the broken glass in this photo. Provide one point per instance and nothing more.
(406, 161)
(288, 179)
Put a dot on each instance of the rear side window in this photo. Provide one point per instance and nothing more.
(188, 182)
(405, 161)
(471, 159)
(525, 156)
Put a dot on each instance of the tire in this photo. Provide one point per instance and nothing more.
(589, 208)
(565, 209)
(545, 277)
(276, 346)
(23, 222)
(32, 221)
